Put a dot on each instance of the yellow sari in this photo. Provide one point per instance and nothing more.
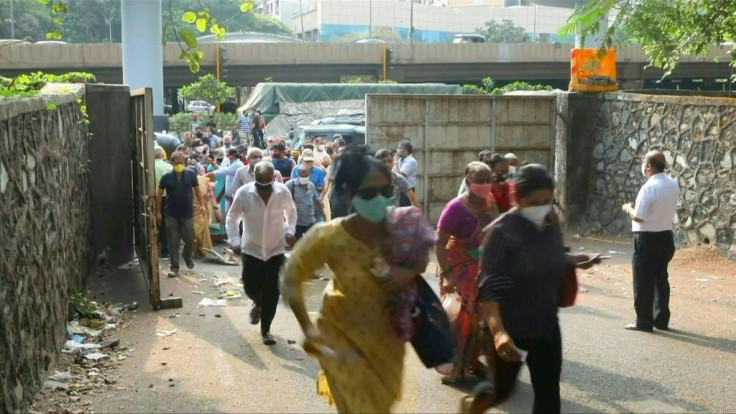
(202, 239)
(352, 320)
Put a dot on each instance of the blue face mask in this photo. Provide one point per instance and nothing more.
(373, 210)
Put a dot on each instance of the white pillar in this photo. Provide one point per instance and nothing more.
(143, 60)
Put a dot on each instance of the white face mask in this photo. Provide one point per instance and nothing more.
(303, 180)
(644, 168)
(536, 214)
(512, 170)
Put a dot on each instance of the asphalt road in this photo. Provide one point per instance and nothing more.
(218, 364)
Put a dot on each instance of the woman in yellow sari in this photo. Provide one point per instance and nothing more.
(202, 239)
(362, 359)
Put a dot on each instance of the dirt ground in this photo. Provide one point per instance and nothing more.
(216, 363)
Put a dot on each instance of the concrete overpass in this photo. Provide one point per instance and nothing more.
(250, 63)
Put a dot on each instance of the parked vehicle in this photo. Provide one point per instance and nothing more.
(469, 38)
(200, 106)
(352, 134)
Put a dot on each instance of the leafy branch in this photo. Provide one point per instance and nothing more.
(667, 30)
(199, 20)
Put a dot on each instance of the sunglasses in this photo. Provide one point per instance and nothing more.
(369, 193)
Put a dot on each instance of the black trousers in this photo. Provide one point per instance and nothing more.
(261, 285)
(545, 366)
(652, 254)
(258, 138)
(301, 230)
(404, 200)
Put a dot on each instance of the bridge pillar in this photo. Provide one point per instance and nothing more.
(143, 61)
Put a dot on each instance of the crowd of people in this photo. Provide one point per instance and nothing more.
(332, 206)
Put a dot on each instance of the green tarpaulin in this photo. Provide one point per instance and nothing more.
(267, 96)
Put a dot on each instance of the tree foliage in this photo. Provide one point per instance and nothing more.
(207, 88)
(667, 30)
(488, 87)
(504, 31)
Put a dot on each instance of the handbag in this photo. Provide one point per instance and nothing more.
(432, 341)
(568, 287)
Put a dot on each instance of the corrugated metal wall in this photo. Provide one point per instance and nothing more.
(447, 133)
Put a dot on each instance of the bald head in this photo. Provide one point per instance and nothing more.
(656, 161)
(158, 152)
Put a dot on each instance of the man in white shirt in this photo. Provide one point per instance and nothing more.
(654, 244)
(229, 172)
(246, 174)
(269, 219)
(406, 165)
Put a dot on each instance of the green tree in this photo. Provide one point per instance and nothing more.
(207, 88)
(667, 30)
(504, 31)
(32, 20)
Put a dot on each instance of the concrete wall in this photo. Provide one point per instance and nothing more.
(110, 152)
(448, 132)
(44, 224)
(698, 137)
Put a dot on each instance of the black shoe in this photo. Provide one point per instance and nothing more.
(268, 339)
(255, 315)
(634, 327)
(190, 263)
(173, 273)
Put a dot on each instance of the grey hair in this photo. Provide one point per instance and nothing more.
(251, 150)
(158, 151)
(263, 167)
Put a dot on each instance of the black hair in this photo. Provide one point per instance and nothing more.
(232, 151)
(497, 159)
(484, 154)
(329, 151)
(353, 166)
(406, 144)
(279, 146)
(531, 178)
(383, 153)
(340, 141)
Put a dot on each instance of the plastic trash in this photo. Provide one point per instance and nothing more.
(95, 356)
(78, 338)
(207, 302)
(61, 376)
(164, 334)
(72, 346)
(233, 294)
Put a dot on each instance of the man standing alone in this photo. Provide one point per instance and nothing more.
(269, 220)
(178, 185)
(406, 165)
(654, 244)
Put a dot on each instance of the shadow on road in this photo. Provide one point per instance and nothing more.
(616, 389)
(711, 342)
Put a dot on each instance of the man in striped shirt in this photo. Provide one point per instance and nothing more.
(244, 127)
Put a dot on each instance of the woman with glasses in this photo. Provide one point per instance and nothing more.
(459, 237)
(361, 357)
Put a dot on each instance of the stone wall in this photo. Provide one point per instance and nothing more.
(44, 220)
(698, 137)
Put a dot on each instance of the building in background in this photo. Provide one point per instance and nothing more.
(284, 10)
(333, 20)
